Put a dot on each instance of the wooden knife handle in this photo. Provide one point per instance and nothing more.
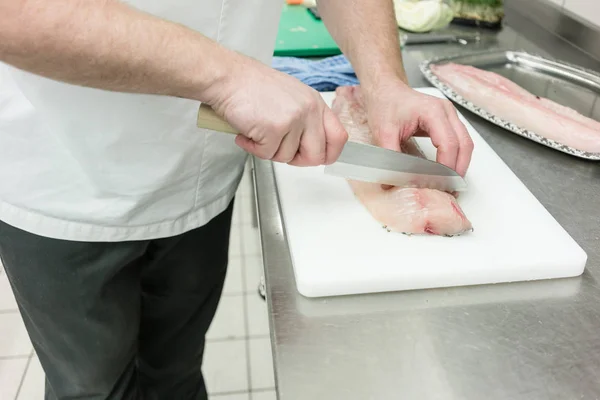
(208, 119)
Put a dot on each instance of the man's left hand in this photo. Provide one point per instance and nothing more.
(397, 112)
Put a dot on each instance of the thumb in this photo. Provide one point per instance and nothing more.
(246, 144)
(387, 136)
(335, 136)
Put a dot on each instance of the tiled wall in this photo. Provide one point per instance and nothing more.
(586, 9)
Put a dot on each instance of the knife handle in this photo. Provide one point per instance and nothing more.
(208, 119)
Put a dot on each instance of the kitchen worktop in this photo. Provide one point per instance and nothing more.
(519, 341)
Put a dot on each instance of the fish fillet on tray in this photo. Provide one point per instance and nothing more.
(512, 107)
(401, 209)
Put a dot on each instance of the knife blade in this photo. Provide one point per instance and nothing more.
(368, 163)
(375, 164)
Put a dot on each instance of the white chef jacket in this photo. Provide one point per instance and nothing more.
(85, 164)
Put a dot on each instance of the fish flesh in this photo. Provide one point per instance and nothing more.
(507, 100)
(407, 210)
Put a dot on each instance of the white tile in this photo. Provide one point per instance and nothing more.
(235, 241)
(229, 319)
(254, 270)
(7, 299)
(261, 364)
(33, 384)
(264, 395)
(11, 374)
(224, 366)
(258, 317)
(237, 396)
(234, 283)
(251, 241)
(14, 340)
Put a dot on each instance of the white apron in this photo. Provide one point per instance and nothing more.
(90, 165)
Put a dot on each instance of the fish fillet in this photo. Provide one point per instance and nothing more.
(400, 209)
(507, 100)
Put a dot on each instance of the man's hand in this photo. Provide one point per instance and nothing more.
(112, 46)
(279, 118)
(396, 112)
(367, 33)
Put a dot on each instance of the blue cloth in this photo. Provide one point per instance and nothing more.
(323, 75)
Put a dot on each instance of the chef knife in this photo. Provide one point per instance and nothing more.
(369, 163)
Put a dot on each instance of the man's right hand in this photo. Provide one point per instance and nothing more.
(112, 46)
(278, 117)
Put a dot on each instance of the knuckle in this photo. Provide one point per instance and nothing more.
(322, 157)
(286, 158)
(279, 126)
(439, 107)
(315, 159)
(267, 153)
(451, 144)
(341, 138)
(469, 145)
(310, 105)
(338, 137)
(445, 103)
(261, 155)
(298, 111)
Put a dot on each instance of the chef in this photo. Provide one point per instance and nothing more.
(115, 209)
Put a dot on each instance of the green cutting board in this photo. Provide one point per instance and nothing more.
(302, 35)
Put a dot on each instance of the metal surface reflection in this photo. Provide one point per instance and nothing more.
(521, 341)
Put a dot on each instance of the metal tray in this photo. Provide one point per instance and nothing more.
(564, 83)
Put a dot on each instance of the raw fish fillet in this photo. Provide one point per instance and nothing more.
(507, 100)
(400, 209)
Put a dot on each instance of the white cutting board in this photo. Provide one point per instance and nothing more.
(337, 248)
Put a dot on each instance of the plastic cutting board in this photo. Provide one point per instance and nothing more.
(337, 248)
(302, 35)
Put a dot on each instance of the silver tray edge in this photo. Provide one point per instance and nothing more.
(510, 56)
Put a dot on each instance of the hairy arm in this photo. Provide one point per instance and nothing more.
(367, 34)
(108, 45)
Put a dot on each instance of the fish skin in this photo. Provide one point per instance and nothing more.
(399, 209)
(507, 100)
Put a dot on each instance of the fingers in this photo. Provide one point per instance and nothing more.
(465, 148)
(246, 144)
(288, 148)
(335, 136)
(386, 128)
(442, 134)
(313, 145)
(276, 141)
(263, 140)
(315, 136)
(389, 137)
(324, 142)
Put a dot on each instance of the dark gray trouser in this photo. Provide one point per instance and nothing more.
(119, 320)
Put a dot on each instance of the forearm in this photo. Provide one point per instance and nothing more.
(108, 45)
(367, 34)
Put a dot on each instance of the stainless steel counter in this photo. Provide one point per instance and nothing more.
(532, 340)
